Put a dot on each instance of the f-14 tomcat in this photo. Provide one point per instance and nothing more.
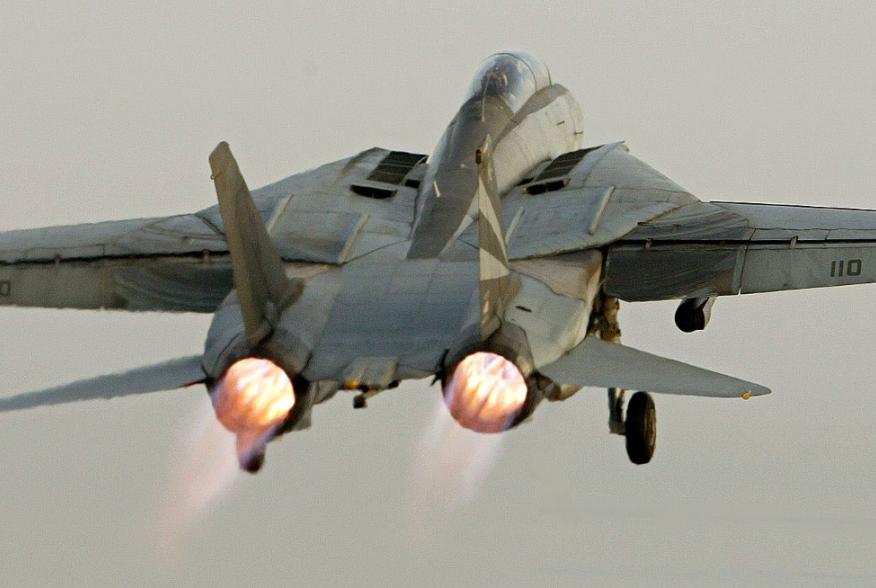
(495, 266)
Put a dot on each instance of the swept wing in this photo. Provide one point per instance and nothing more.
(724, 248)
(328, 215)
(663, 243)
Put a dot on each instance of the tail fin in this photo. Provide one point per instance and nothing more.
(259, 278)
(497, 285)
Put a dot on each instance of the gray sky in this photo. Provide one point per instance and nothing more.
(110, 112)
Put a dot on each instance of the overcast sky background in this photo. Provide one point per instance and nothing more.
(109, 112)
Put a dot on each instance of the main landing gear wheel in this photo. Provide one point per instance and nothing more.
(641, 428)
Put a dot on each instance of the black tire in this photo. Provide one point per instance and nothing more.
(641, 428)
(690, 320)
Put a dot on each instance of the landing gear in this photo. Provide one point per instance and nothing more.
(616, 424)
(641, 428)
(640, 425)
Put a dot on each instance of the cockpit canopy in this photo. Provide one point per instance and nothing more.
(513, 76)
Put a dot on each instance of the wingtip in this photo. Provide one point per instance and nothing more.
(219, 156)
(755, 391)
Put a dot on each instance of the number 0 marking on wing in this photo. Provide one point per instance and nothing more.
(842, 267)
(5, 287)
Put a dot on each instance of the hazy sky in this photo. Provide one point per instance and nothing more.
(109, 112)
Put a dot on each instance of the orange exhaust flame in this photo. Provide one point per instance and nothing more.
(486, 393)
(252, 401)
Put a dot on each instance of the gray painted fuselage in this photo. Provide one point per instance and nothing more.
(508, 236)
(406, 304)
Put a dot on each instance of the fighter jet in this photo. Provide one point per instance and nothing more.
(494, 266)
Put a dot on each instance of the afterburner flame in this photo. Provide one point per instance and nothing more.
(486, 393)
(252, 401)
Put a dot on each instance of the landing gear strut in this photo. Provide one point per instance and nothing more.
(616, 424)
(640, 425)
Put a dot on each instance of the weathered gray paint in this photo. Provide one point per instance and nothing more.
(705, 249)
(469, 250)
(168, 284)
(609, 365)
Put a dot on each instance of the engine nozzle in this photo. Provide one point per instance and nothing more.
(485, 393)
(253, 400)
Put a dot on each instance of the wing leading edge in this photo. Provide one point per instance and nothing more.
(601, 364)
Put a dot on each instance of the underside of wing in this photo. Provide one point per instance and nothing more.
(598, 363)
(722, 248)
(168, 375)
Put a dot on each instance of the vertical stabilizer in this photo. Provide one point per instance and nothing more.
(497, 284)
(259, 278)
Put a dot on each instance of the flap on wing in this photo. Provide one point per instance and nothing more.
(797, 247)
(174, 235)
(725, 248)
(168, 375)
(772, 222)
(601, 364)
(699, 222)
(739, 221)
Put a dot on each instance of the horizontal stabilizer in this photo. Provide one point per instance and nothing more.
(601, 364)
(168, 375)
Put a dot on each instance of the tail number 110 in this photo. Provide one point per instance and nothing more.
(842, 267)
